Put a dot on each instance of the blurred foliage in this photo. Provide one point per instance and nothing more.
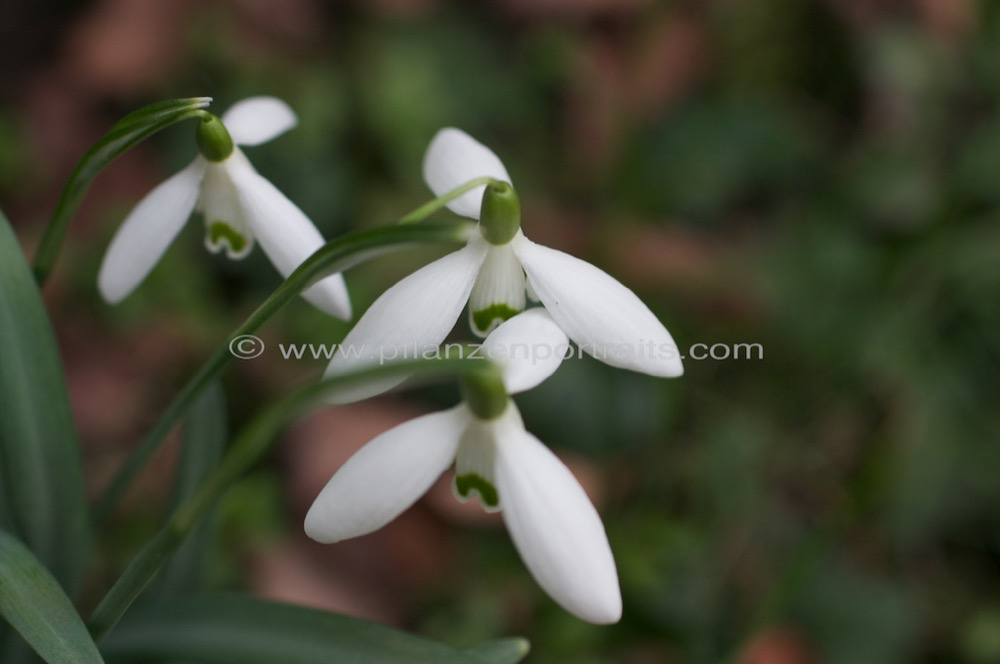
(835, 175)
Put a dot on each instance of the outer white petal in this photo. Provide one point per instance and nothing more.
(147, 232)
(605, 318)
(386, 476)
(411, 318)
(529, 347)
(452, 159)
(287, 237)
(257, 120)
(556, 529)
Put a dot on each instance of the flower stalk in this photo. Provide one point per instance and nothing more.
(485, 395)
(127, 132)
(250, 446)
(429, 208)
(336, 256)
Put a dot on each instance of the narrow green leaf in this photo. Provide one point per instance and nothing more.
(32, 601)
(40, 468)
(133, 128)
(228, 629)
(250, 446)
(204, 440)
(501, 651)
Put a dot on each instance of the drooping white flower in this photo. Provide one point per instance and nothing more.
(553, 524)
(238, 204)
(493, 273)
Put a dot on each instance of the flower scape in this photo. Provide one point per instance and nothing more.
(497, 275)
(520, 295)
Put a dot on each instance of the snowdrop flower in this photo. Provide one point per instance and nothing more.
(555, 528)
(494, 272)
(239, 206)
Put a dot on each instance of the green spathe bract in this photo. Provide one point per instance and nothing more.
(213, 138)
(500, 215)
(130, 130)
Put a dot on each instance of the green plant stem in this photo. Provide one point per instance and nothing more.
(249, 447)
(124, 134)
(431, 207)
(336, 256)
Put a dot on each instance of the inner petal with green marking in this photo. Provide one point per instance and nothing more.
(499, 291)
(474, 466)
(225, 227)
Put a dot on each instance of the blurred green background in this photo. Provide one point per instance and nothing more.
(821, 177)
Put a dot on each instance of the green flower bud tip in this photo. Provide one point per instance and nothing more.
(214, 141)
(485, 394)
(500, 214)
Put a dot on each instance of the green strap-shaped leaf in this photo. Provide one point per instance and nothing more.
(125, 133)
(204, 440)
(228, 629)
(32, 601)
(40, 469)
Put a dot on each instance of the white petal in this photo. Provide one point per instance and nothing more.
(258, 119)
(386, 476)
(147, 232)
(529, 347)
(452, 159)
(556, 529)
(409, 319)
(499, 290)
(288, 237)
(605, 318)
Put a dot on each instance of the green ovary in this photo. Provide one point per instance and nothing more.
(466, 484)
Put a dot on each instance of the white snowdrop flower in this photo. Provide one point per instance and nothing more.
(553, 524)
(240, 207)
(494, 273)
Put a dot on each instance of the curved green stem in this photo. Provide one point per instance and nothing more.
(250, 446)
(431, 207)
(130, 130)
(336, 256)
